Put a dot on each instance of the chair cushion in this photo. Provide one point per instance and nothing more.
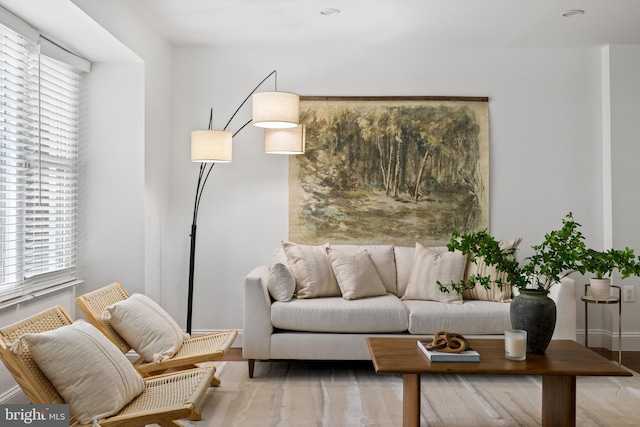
(478, 267)
(87, 370)
(356, 275)
(381, 314)
(472, 317)
(146, 327)
(433, 264)
(312, 270)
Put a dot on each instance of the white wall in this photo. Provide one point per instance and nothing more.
(623, 143)
(146, 108)
(112, 177)
(545, 152)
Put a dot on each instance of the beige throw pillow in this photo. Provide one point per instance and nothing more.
(383, 259)
(494, 293)
(282, 283)
(90, 373)
(146, 327)
(356, 274)
(311, 267)
(431, 265)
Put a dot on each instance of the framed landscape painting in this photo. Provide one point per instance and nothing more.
(395, 170)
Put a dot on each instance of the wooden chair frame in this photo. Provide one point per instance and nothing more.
(197, 349)
(166, 398)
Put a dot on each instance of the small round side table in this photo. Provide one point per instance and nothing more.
(588, 299)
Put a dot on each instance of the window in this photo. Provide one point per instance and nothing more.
(39, 100)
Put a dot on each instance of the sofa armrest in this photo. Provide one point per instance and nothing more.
(257, 329)
(564, 295)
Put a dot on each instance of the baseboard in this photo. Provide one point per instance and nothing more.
(13, 396)
(606, 339)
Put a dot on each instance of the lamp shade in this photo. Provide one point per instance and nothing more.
(276, 109)
(285, 141)
(211, 146)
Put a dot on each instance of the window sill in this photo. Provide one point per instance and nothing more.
(36, 294)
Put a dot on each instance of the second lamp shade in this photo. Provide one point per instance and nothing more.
(285, 141)
(276, 109)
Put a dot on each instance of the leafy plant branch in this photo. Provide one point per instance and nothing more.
(559, 255)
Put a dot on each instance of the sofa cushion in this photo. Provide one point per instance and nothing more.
(472, 317)
(282, 283)
(356, 275)
(383, 259)
(478, 267)
(431, 265)
(312, 270)
(383, 314)
(404, 256)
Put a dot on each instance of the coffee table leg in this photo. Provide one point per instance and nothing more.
(559, 400)
(411, 400)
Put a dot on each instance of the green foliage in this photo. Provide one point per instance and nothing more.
(603, 263)
(562, 253)
(556, 257)
(483, 245)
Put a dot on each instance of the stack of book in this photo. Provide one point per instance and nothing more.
(468, 355)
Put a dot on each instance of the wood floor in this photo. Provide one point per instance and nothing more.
(630, 359)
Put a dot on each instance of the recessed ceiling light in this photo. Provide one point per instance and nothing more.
(572, 13)
(330, 11)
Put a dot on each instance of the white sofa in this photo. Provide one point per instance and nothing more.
(334, 328)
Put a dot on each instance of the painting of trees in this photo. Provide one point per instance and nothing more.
(390, 170)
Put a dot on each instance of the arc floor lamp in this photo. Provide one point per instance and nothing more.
(276, 112)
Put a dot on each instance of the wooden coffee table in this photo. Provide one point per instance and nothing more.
(562, 362)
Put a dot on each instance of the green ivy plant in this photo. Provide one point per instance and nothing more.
(558, 256)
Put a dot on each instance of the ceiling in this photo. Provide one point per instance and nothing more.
(409, 23)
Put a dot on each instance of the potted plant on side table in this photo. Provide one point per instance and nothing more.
(603, 263)
(555, 258)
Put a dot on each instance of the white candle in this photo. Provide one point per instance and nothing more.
(515, 344)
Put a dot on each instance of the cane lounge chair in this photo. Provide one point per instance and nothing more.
(194, 350)
(163, 400)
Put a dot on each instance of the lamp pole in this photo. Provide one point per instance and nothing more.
(203, 176)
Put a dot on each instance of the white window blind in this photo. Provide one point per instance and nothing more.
(38, 168)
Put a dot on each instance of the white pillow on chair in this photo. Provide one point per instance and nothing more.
(146, 327)
(88, 371)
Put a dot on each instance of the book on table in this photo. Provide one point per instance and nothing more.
(468, 355)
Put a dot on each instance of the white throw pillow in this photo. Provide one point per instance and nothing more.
(311, 267)
(356, 274)
(494, 293)
(282, 283)
(88, 371)
(431, 265)
(146, 327)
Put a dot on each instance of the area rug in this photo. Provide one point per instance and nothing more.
(328, 394)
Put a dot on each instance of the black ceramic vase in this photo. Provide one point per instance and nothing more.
(534, 312)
